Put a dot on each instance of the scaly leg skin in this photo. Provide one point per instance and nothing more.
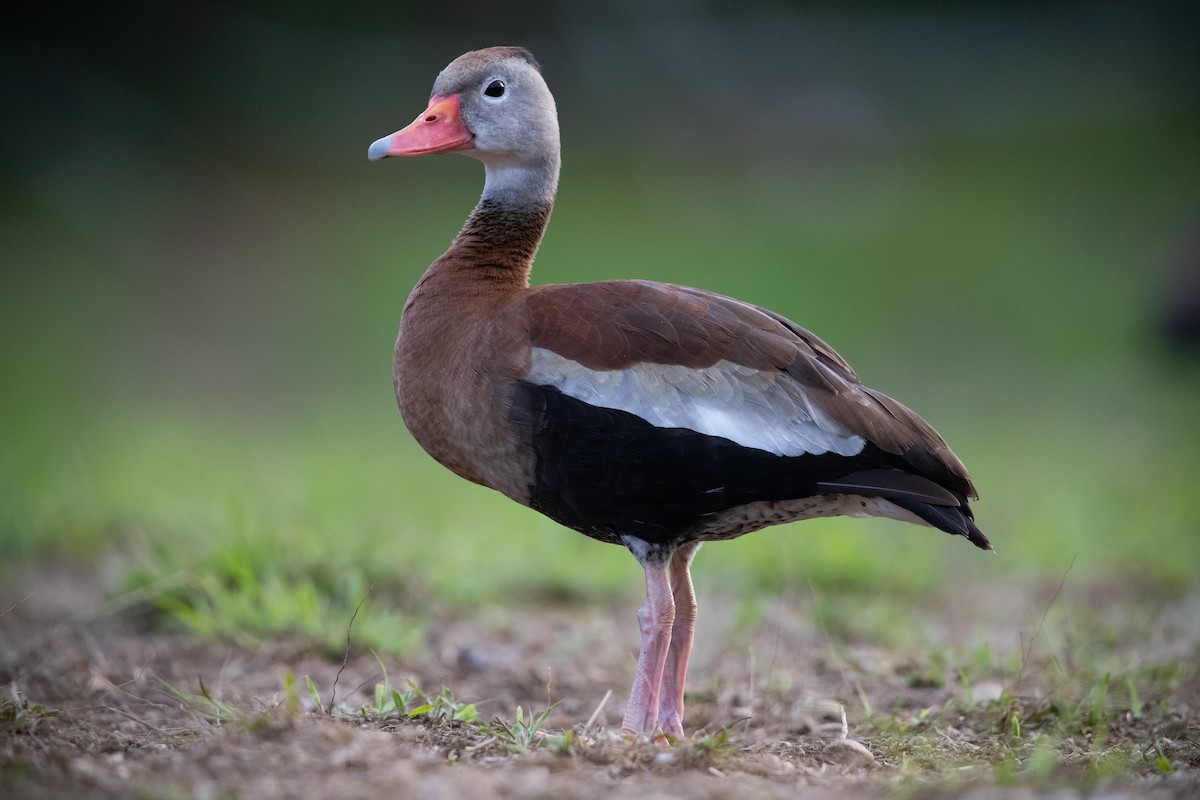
(670, 713)
(656, 619)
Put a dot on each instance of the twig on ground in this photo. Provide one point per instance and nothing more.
(1028, 651)
(595, 714)
(22, 600)
(346, 652)
(138, 720)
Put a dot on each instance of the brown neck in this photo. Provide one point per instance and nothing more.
(496, 246)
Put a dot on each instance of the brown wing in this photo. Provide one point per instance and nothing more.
(616, 325)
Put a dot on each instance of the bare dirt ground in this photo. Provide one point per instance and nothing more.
(980, 691)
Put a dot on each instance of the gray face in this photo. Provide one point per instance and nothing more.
(505, 104)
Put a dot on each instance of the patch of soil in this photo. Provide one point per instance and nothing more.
(89, 707)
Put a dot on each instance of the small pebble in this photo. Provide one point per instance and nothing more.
(986, 691)
(847, 753)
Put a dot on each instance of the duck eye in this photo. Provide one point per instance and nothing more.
(494, 89)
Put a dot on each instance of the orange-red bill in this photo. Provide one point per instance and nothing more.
(439, 129)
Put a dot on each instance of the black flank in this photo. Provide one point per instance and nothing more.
(606, 472)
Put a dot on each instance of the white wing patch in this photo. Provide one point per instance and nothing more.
(754, 408)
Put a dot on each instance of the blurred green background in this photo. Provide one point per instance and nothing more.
(982, 206)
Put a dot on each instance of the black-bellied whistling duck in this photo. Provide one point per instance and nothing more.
(642, 414)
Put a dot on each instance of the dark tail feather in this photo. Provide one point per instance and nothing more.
(951, 519)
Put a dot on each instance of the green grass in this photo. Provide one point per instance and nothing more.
(1082, 733)
(250, 446)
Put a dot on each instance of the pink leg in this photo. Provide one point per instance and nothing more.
(670, 713)
(655, 618)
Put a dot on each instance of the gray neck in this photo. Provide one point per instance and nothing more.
(521, 185)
